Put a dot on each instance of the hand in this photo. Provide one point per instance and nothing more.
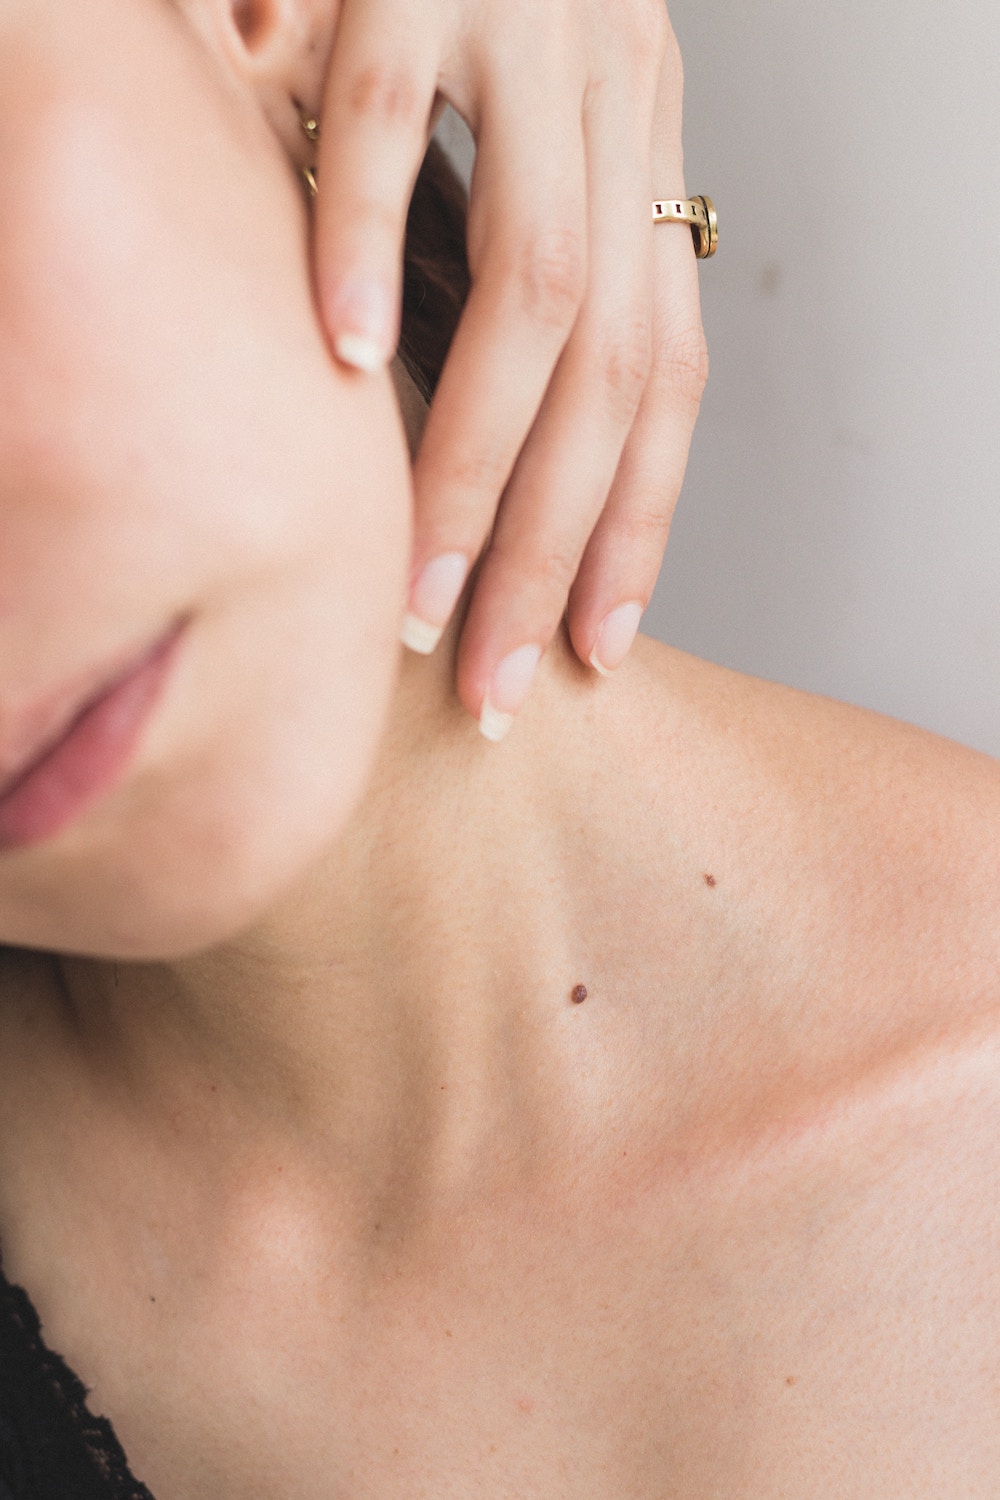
(561, 425)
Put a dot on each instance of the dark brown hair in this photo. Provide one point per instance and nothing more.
(435, 270)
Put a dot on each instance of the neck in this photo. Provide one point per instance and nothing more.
(414, 981)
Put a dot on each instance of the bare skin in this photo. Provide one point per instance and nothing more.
(364, 1205)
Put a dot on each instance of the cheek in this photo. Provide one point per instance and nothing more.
(294, 577)
(174, 440)
(175, 433)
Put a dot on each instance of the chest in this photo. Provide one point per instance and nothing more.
(817, 1317)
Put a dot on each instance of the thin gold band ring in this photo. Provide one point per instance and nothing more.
(699, 213)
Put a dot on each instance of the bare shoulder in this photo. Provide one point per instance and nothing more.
(868, 781)
(856, 857)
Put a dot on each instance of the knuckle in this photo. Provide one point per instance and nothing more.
(671, 57)
(650, 32)
(625, 364)
(384, 92)
(549, 566)
(657, 34)
(648, 519)
(472, 476)
(551, 278)
(555, 567)
(682, 369)
(381, 219)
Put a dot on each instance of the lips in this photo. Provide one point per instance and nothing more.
(90, 755)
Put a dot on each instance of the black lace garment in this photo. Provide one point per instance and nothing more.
(51, 1446)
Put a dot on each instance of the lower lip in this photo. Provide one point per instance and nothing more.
(91, 756)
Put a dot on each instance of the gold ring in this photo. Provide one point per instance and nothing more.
(699, 213)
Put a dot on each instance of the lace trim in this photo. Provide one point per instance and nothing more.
(52, 1446)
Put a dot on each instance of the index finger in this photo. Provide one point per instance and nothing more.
(377, 105)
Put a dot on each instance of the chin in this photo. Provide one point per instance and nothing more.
(157, 919)
(222, 814)
(190, 877)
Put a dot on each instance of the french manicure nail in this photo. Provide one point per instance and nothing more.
(615, 637)
(360, 316)
(508, 690)
(360, 353)
(432, 599)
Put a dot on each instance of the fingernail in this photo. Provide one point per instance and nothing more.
(507, 692)
(360, 316)
(615, 637)
(432, 599)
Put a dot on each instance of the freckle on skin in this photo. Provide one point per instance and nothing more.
(710, 880)
(579, 994)
(789, 1379)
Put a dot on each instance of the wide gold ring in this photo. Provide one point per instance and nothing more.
(699, 213)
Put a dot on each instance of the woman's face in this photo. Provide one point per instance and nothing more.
(203, 523)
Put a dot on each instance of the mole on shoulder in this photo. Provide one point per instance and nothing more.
(710, 880)
(579, 994)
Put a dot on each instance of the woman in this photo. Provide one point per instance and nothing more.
(607, 1112)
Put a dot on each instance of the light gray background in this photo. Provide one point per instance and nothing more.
(840, 524)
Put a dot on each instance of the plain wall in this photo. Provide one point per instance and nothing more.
(839, 528)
